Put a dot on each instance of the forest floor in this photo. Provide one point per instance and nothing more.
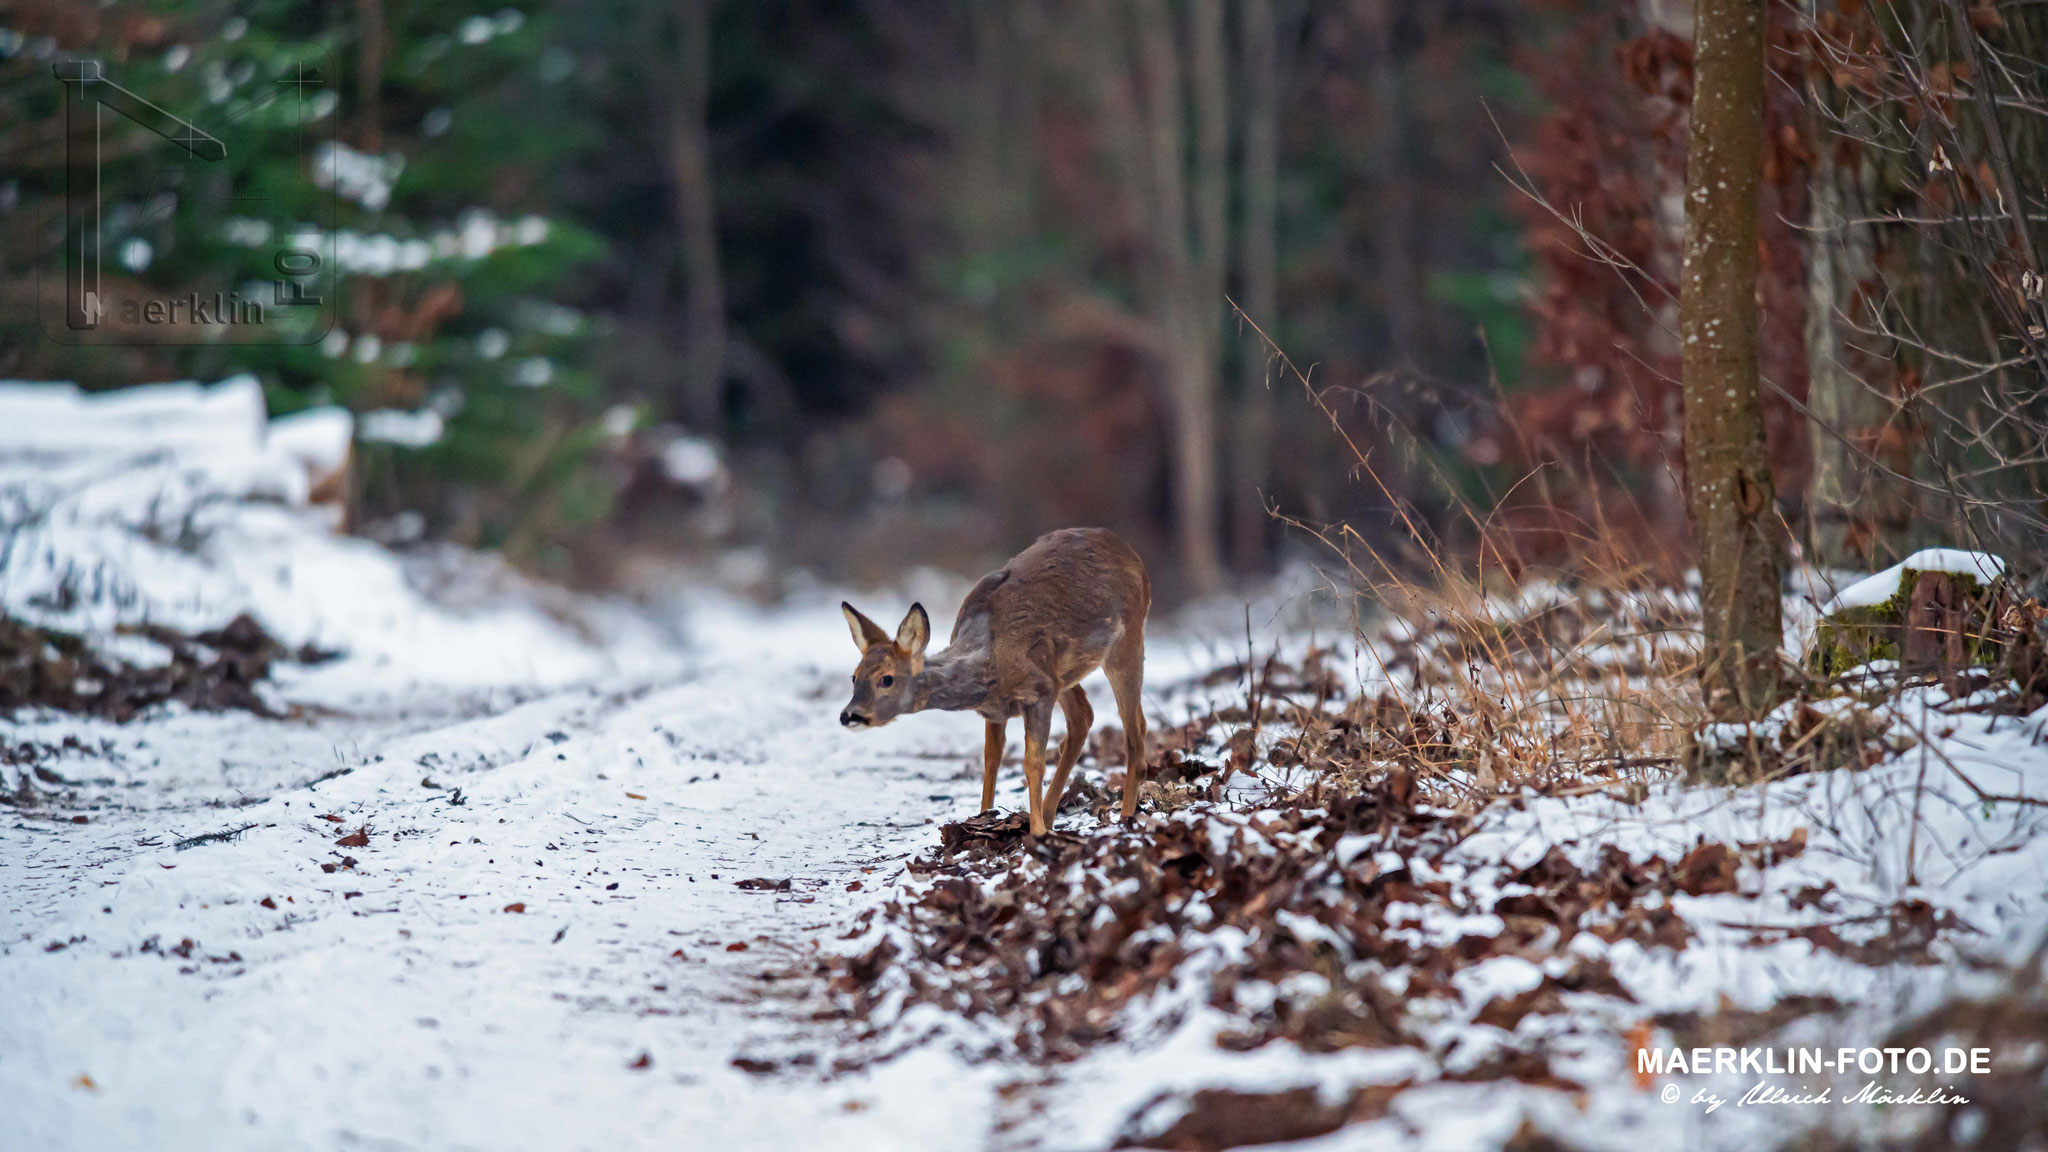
(517, 870)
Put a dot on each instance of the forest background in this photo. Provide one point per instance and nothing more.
(855, 285)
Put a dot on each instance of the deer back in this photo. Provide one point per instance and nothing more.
(1048, 617)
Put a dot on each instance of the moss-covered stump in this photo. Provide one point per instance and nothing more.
(1932, 618)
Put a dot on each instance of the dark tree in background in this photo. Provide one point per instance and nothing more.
(1252, 447)
(688, 86)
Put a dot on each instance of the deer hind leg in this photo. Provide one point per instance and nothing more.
(991, 759)
(1037, 728)
(1125, 668)
(1080, 717)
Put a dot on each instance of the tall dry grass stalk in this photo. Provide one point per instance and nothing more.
(1500, 673)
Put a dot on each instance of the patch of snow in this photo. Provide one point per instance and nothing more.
(420, 429)
(318, 438)
(182, 505)
(692, 462)
(1874, 590)
(359, 176)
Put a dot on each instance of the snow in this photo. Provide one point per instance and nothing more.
(179, 505)
(614, 774)
(407, 429)
(1874, 590)
(568, 756)
(397, 1002)
(318, 438)
(691, 461)
(476, 235)
(360, 176)
(1917, 827)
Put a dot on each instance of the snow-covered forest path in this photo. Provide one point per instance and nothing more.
(281, 988)
(523, 869)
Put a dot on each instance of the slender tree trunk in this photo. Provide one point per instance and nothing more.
(1186, 285)
(1253, 455)
(1208, 81)
(696, 219)
(1842, 409)
(1728, 474)
(1849, 503)
(995, 126)
(1394, 215)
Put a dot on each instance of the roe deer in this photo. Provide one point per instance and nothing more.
(1026, 635)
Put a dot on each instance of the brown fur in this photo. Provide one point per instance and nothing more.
(1025, 636)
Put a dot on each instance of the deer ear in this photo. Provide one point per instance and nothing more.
(913, 635)
(866, 633)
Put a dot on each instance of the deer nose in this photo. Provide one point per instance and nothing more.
(852, 719)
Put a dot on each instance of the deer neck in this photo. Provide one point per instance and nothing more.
(958, 679)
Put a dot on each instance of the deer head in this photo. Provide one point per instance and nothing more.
(888, 669)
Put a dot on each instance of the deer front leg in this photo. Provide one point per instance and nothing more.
(1037, 728)
(991, 759)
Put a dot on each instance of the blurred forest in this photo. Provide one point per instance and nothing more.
(860, 284)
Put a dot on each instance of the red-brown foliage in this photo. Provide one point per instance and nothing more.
(1608, 162)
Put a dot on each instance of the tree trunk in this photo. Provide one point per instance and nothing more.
(1853, 510)
(1185, 286)
(1842, 409)
(1208, 82)
(1728, 475)
(1395, 215)
(696, 221)
(1253, 455)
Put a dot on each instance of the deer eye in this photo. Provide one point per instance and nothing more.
(888, 681)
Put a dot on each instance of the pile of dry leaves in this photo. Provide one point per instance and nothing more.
(216, 670)
(1056, 936)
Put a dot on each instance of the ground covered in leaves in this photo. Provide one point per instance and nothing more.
(1461, 875)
